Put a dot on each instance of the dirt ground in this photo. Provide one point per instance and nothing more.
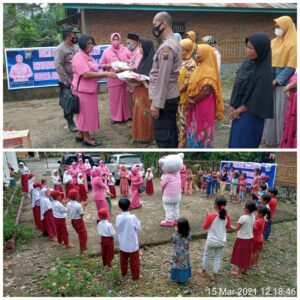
(48, 128)
(32, 261)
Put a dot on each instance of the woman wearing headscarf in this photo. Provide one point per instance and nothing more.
(85, 86)
(252, 95)
(284, 63)
(205, 103)
(289, 136)
(142, 122)
(193, 37)
(210, 40)
(117, 89)
(187, 68)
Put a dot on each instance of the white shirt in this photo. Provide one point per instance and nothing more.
(55, 180)
(30, 184)
(111, 181)
(74, 210)
(35, 197)
(59, 210)
(24, 170)
(218, 56)
(149, 176)
(128, 227)
(106, 229)
(216, 236)
(67, 178)
(246, 231)
(45, 204)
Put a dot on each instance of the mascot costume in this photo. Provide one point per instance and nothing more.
(170, 183)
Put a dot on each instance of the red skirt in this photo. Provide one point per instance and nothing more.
(82, 193)
(58, 187)
(241, 254)
(149, 187)
(257, 246)
(69, 186)
(37, 218)
(24, 182)
(112, 190)
(49, 223)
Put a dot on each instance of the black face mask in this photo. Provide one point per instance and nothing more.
(74, 40)
(156, 31)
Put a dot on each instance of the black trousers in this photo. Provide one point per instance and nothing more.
(165, 127)
(61, 88)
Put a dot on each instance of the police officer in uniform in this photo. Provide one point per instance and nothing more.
(63, 64)
(163, 86)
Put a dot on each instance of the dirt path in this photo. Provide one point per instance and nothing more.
(48, 129)
(31, 261)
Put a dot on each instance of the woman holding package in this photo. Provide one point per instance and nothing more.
(205, 103)
(117, 89)
(284, 63)
(142, 122)
(85, 86)
(289, 137)
(252, 95)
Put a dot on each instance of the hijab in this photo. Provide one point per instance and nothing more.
(192, 36)
(178, 36)
(284, 48)
(115, 46)
(207, 73)
(253, 84)
(188, 45)
(145, 65)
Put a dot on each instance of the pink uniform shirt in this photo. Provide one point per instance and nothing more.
(81, 64)
(20, 72)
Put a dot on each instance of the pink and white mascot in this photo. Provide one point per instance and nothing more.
(170, 183)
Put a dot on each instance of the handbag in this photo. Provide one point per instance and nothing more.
(142, 188)
(69, 102)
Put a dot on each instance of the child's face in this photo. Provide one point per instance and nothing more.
(264, 202)
(258, 215)
(246, 210)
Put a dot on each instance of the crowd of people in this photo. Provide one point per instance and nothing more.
(180, 103)
(52, 206)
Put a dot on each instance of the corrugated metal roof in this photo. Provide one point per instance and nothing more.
(136, 5)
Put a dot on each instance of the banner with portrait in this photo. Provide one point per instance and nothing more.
(35, 67)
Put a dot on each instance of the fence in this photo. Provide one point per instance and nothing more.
(232, 51)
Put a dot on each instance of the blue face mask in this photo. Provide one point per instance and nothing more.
(129, 47)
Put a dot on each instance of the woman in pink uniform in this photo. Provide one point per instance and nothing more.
(20, 72)
(117, 89)
(136, 181)
(85, 86)
(98, 190)
(74, 171)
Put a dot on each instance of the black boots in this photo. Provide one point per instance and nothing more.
(72, 126)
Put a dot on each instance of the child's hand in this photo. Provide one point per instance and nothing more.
(207, 212)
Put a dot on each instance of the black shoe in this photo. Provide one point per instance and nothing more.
(78, 139)
(71, 125)
(96, 144)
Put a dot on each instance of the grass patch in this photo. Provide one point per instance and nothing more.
(23, 233)
(83, 277)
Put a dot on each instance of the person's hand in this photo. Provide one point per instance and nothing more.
(154, 112)
(207, 212)
(107, 66)
(191, 101)
(275, 82)
(235, 114)
(112, 75)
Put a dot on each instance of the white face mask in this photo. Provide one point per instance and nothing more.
(278, 32)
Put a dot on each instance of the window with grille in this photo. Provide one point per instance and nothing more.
(179, 27)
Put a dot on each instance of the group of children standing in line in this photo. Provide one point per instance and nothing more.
(253, 229)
